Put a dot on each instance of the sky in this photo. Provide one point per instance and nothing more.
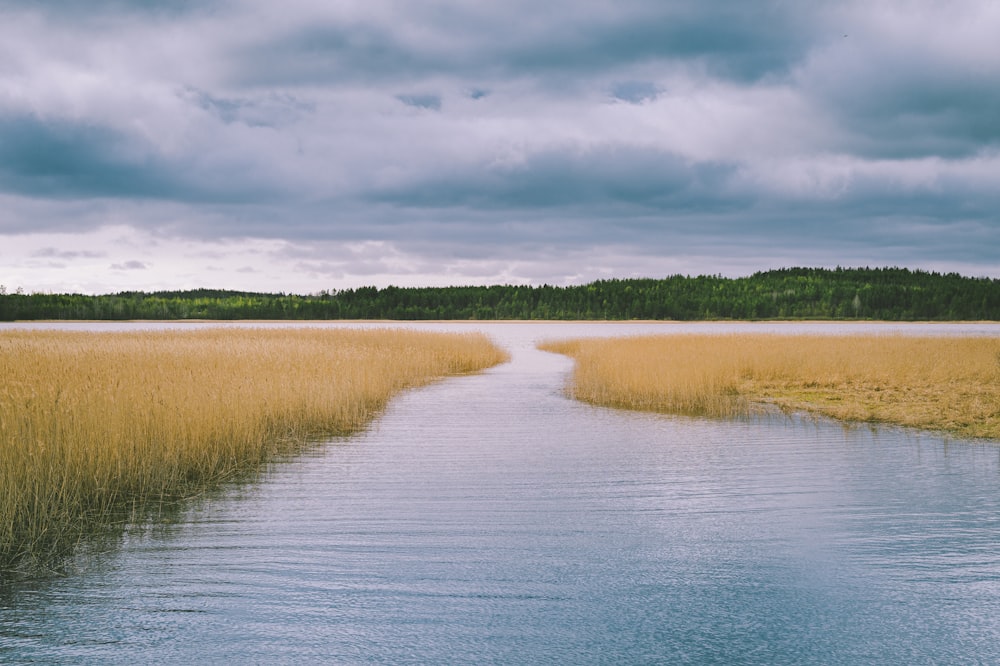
(307, 145)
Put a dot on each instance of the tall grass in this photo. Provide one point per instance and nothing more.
(94, 423)
(936, 383)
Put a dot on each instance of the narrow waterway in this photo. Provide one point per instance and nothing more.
(489, 519)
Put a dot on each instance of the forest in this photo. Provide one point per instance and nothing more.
(894, 294)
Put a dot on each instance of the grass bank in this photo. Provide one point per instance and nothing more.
(93, 425)
(936, 383)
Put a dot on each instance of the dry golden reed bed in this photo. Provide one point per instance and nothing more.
(94, 423)
(945, 384)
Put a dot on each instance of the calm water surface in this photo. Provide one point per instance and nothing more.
(489, 519)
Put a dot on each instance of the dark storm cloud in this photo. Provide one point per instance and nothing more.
(743, 41)
(422, 101)
(821, 132)
(593, 179)
(634, 92)
(903, 104)
(64, 160)
(329, 53)
(271, 110)
(75, 11)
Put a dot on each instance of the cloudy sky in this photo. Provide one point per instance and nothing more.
(306, 144)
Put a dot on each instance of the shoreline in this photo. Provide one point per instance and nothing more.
(865, 322)
(937, 384)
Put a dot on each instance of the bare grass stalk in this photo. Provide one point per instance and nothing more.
(944, 384)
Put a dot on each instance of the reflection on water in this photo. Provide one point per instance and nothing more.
(490, 519)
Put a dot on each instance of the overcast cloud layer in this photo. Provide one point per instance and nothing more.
(309, 145)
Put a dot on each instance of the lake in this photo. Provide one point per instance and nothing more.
(490, 519)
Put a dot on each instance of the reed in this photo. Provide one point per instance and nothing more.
(94, 423)
(944, 384)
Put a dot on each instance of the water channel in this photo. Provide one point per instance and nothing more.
(489, 519)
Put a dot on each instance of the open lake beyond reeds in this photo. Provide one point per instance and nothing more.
(491, 519)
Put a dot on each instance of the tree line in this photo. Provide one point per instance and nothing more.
(895, 294)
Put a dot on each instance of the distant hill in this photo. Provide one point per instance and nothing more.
(895, 294)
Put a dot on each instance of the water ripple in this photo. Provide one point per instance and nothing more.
(488, 519)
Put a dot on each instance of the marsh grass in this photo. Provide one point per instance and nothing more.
(99, 427)
(945, 384)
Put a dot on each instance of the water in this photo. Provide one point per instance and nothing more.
(489, 519)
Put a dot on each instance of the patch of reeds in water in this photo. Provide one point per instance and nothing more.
(93, 423)
(946, 384)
